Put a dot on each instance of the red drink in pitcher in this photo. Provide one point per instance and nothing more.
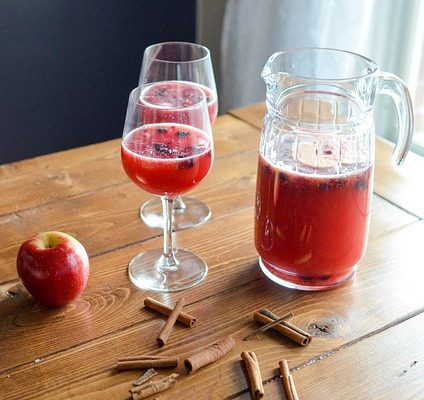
(167, 159)
(311, 230)
(315, 170)
(180, 94)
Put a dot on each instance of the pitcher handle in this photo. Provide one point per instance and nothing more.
(394, 87)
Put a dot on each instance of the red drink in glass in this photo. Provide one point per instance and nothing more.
(180, 94)
(167, 159)
(311, 230)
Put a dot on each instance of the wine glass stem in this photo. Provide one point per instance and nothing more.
(167, 262)
(179, 204)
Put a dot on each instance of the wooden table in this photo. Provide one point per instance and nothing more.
(368, 334)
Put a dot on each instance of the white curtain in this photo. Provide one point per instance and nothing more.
(383, 30)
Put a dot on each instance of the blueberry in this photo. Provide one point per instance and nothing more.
(362, 183)
(162, 130)
(307, 278)
(324, 186)
(266, 169)
(186, 164)
(182, 133)
(162, 92)
(338, 183)
(161, 148)
(283, 178)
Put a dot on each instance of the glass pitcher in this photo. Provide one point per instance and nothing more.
(316, 163)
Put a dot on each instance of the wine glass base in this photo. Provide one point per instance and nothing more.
(144, 274)
(195, 213)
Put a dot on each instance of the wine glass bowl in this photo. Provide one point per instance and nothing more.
(169, 93)
(167, 154)
(181, 61)
(167, 150)
(166, 64)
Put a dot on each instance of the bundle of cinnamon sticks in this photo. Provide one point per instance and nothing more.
(209, 354)
(143, 388)
(255, 381)
(281, 325)
(198, 360)
(254, 374)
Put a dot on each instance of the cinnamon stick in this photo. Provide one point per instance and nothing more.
(142, 357)
(269, 326)
(183, 317)
(284, 329)
(150, 373)
(288, 382)
(252, 367)
(147, 362)
(270, 314)
(209, 354)
(166, 329)
(153, 387)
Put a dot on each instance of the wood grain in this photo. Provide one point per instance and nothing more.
(252, 114)
(368, 301)
(402, 185)
(39, 180)
(71, 352)
(108, 219)
(31, 183)
(22, 315)
(390, 362)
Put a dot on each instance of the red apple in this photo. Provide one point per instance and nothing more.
(53, 267)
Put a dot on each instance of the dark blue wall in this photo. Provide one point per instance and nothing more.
(67, 67)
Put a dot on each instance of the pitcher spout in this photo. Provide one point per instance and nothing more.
(270, 71)
(272, 74)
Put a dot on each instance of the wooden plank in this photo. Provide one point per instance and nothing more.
(71, 352)
(385, 366)
(363, 305)
(111, 227)
(40, 180)
(108, 219)
(252, 114)
(21, 315)
(402, 185)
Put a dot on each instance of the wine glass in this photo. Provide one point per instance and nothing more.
(167, 149)
(191, 63)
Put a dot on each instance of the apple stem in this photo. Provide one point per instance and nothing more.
(50, 240)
